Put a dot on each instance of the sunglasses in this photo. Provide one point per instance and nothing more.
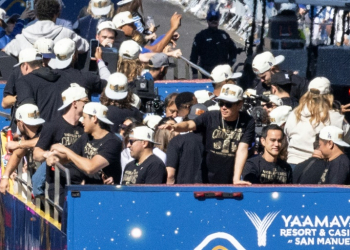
(123, 126)
(132, 141)
(226, 104)
(268, 105)
(212, 19)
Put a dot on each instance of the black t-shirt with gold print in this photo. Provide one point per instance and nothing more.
(221, 140)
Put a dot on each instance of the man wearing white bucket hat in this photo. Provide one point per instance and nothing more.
(228, 135)
(147, 168)
(338, 165)
(265, 65)
(97, 151)
(29, 123)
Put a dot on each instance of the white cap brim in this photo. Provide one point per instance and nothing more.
(115, 95)
(132, 137)
(341, 143)
(105, 120)
(101, 11)
(120, 3)
(36, 59)
(229, 99)
(279, 59)
(33, 122)
(64, 106)
(55, 63)
(235, 75)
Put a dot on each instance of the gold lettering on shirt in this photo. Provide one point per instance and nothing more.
(130, 177)
(90, 151)
(273, 176)
(69, 139)
(229, 140)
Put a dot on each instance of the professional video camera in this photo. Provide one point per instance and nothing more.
(151, 101)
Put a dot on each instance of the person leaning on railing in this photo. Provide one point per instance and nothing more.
(29, 124)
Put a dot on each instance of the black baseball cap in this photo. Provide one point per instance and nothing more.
(281, 78)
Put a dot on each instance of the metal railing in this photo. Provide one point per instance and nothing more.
(189, 64)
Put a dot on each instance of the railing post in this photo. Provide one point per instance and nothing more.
(187, 70)
(47, 206)
(57, 192)
(176, 69)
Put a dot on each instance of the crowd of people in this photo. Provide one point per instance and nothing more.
(282, 130)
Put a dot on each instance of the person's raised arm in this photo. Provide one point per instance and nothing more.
(21, 144)
(180, 127)
(175, 22)
(241, 158)
(8, 101)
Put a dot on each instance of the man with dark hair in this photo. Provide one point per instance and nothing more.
(47, 12)
(268, 168)
(228, 133)
(147, 168)
(29, 124)
(281, 86)
(338, 165)
(185, 154)
(96, 152)
(212, 46)
(183, 102)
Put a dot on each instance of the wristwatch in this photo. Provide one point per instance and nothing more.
(4, 177)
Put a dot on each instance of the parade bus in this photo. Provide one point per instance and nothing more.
(217, 217)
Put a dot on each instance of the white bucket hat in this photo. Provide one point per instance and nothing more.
(143, 133)
(265, 61)
(130, 50)
(320, 85)
(73, 93)
(28, 55)
(100, 7)
(45, 46)
(222, 73)
(280, 115)
(98, 110)
(335, 134)
(117, 86)
(231, 93)
(29, 114)
(122, 19)
(64, 50)
(105, 25)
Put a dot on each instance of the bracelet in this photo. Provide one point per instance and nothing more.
(98, 60)
(4, 177)
(19, 142)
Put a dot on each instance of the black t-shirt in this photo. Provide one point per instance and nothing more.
(118, 115)
(289, 102)
(91, 82)
(258, 171)
(109, 147)
(221, 143)
(312, 175)
(337, 171)
(185, 154)
(151, 171)
(10, 89)
(42, 87)
(59, 131)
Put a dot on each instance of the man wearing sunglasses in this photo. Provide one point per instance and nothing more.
(228, 133)
(212, 46)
